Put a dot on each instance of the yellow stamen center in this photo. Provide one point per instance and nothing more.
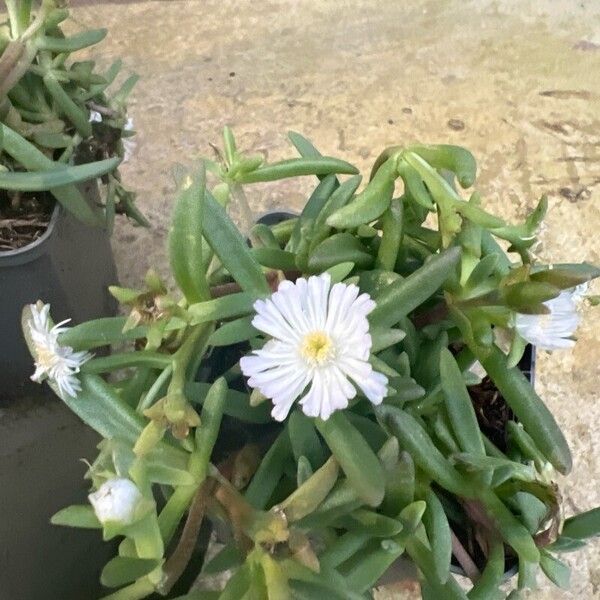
(316, 347)
(46, 358)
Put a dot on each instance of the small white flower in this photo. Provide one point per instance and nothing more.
(320, 337)
(129, 145)
(555, 329)
(116, 501)
(59, 364)
(95, 117)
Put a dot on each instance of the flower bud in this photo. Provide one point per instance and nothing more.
(116, 501)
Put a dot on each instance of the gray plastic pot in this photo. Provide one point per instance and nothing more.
(70, 266)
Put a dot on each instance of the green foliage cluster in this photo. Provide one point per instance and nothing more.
(61, 121)
(314, 509)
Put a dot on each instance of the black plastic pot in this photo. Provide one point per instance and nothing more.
(70, 266)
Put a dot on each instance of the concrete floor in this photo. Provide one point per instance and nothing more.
(516, 81)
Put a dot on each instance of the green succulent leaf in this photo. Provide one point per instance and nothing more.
(556, 570)
(451, 158)
(275, 258)
(71, 43)
(487, 586)
(340, 271)
(77, 515)
(237, 404)
(459, 406)
(233, 305)
(231, 248)
(528, 407)
(403, 296)
(312, 209)
(296, 167)
(233, 332)
(32, 159)
(339, 198)
(414, 187)
(307, 497)
(371, 203)
(526, 295)
(100, 332)
(270, 471)
(303, 145)
(124, 569)
(366, 567)
(565, 275)
(439, 534)
(359, 463)
(339, 248)
(423, 558)
(185, 239)
(305, 440)
(372, 523)
(391, 238)
(583, 526)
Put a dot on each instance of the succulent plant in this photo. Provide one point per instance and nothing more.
(60, 123)
(316, 395)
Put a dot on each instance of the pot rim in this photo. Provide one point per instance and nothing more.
(31, 251)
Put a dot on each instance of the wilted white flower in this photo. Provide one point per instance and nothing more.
(59, 364)
(116, 501)
(320, 339)
(555, 329)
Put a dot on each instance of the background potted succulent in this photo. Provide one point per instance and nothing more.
(314, 401)
(62, 132)
(62, 136)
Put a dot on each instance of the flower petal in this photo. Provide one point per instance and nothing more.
(296, 317)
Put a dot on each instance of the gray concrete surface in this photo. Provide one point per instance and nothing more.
(515, 81)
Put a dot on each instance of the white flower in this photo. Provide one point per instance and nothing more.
(116, 501)
(129, 145)
(95, 117)
(555, 329)
(320, 337)
(59, 364)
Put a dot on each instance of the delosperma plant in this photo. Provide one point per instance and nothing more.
(313, 395)
(60, 124)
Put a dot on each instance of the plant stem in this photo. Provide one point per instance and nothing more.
(126, 359)
(225, 289)
(178, 561)
(148, 400)
(13, 16)
(245, 214)
(198, 463)
(463, 558)
(195, 341)
(14, 63)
